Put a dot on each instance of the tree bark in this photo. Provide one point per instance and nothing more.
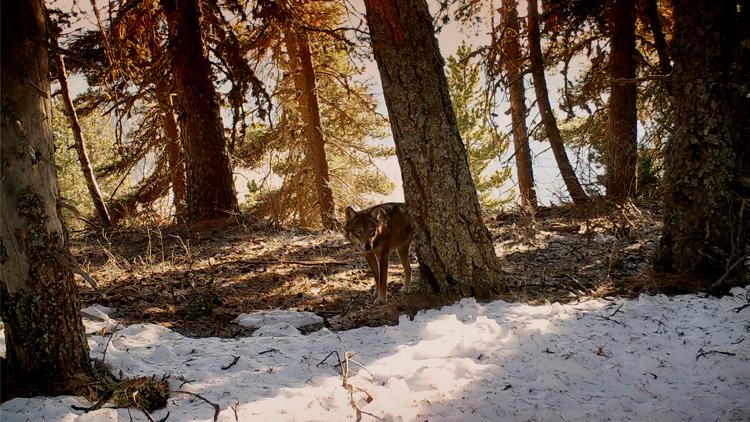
(173, 148)
(452, 243)
(210, 185)
(45, 341)
(300, 60)
(512, 62)
(79, 142)
(622, 143)
(705, 232)
(163, 93)
(545, 109)
(660, 42)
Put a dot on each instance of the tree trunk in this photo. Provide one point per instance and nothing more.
(45, 341)
(660, 42)
(452, 243)
(622, 142)
(173, 148)
(210, 185)
(704, 232)
(545, 109)
(80, 143)
(300, 60)
(512, 62)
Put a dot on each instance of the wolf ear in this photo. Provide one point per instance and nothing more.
(350, 214)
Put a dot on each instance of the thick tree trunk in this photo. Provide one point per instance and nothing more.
(704, 230)
(545, 109)
(45, 341)
(80, 143)
(300, 60)
(173, 148)
(512, 62)
(452, 243)
(622, 141)
(210, 185)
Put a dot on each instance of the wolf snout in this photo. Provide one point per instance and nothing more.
(368, 248)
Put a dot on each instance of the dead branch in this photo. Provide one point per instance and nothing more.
(67, 260)
(216, 407)
(234, 362)
(729, 270)
(361, 366)
(293, 262)
(98, 405)
(702, 353)
(234, 409)
(148, 415)
(353, 390)
(617, 310)
(109, 339)
(624, 81)
(338, 358)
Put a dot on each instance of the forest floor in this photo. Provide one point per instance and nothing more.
(196, 281)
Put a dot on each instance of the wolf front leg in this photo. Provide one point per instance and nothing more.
(382, 284)
(372, 261)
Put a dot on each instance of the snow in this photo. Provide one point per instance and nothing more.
(652, 358)
(278, 316)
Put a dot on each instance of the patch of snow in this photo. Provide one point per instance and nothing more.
(96, 318)
(652, 358)
(99, 415)
(278, 316)
(281, 329)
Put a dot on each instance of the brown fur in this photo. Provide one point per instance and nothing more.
(376, 231)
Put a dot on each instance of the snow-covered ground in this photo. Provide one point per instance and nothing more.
(656, 358)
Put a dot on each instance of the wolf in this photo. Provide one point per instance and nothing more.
(377, 230)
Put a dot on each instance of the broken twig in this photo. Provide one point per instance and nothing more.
(234, 362)
(702, 353)
(217, 409)
(617, 310)
(353, 390)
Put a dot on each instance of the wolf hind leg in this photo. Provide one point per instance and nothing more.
(403, 256)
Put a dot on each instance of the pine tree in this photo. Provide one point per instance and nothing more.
(513, 67)
(545, 109)
(210, 184)
(707, 159)
(46, 348)
(348, 122)
(484, 145)
(453, 245)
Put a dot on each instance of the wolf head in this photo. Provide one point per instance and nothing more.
(362, 227)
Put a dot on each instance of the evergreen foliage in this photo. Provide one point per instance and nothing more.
(99, 136)
(484, 144)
